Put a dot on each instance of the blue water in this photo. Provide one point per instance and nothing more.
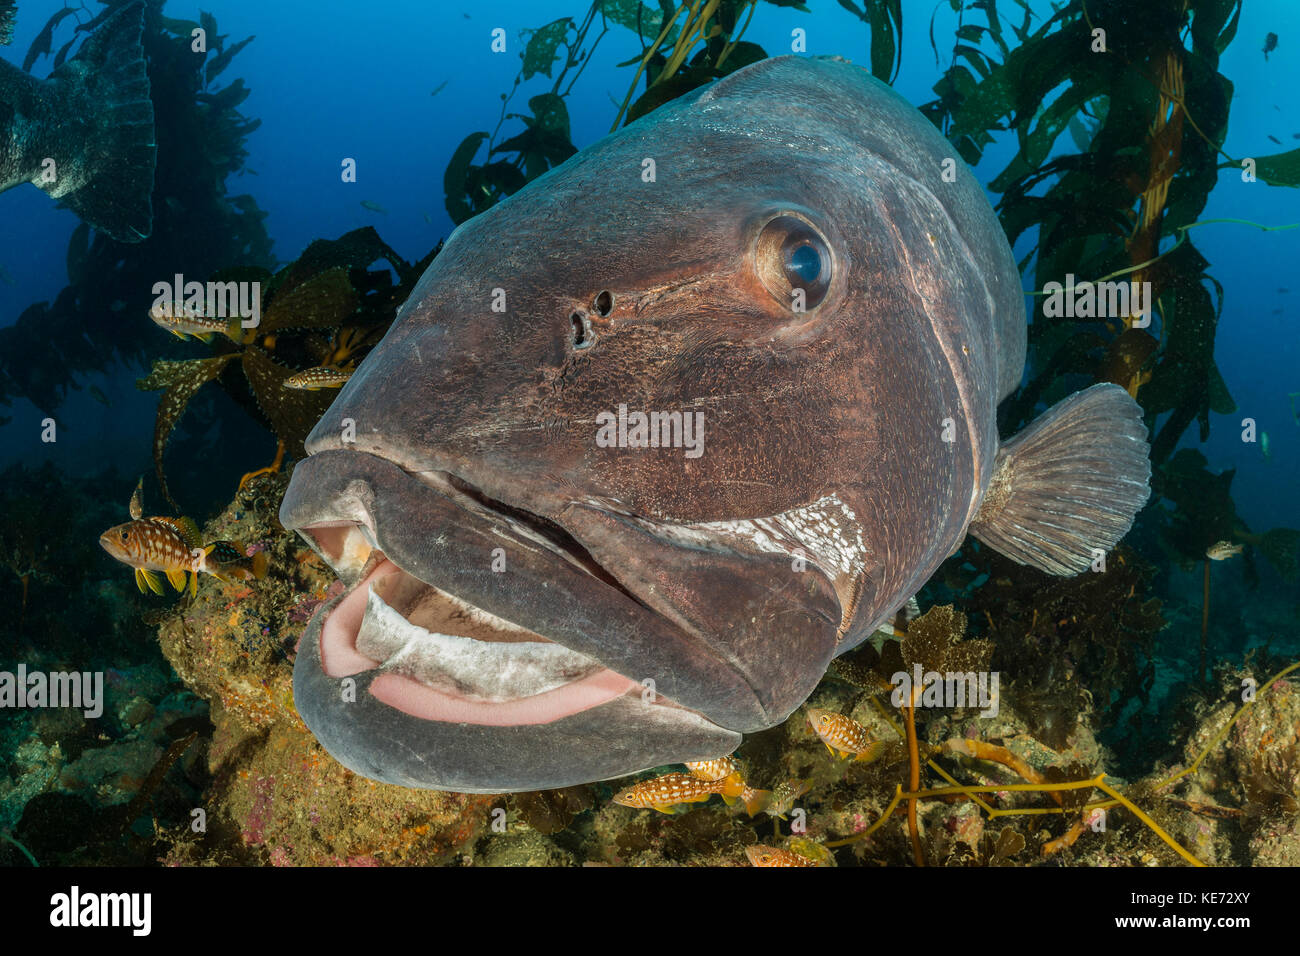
(332, 80)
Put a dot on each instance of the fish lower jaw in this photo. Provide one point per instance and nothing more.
(439, 658)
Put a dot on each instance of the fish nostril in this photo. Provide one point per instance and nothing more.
(583, 337)
(604, 303)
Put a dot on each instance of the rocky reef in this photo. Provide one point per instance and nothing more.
(275, 795)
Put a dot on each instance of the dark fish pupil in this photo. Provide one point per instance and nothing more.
(805, 263)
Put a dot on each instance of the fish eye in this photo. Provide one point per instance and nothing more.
(794, 262)
(125, 534)
(826, 718)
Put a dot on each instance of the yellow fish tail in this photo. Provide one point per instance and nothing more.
(756, 801)
(732, 786)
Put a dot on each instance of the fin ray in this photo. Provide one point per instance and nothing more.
(1070, 483)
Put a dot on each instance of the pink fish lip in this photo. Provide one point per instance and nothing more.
(340, 657)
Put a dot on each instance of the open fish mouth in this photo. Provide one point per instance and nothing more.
(483, 648)
(443, 659)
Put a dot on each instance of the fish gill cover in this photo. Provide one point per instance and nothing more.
(1119, 115)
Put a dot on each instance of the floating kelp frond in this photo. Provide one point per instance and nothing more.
(181, 380)
(326, 309)
(292, 412)
(323, 302)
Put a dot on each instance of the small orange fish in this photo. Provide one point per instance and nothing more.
(754, 800)
(174, 547)
(843, 735)
(182, 321)
(713, 769)
(784, 795)
(1222, 550)
(314, 379)
(762, 855)
(674, 789)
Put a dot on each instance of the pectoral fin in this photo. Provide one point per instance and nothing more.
(1069, 485)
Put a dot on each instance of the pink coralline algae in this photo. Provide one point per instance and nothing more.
(254, 829)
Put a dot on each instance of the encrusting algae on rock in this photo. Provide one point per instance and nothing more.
(275, 792)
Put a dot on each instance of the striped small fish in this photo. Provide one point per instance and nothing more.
(673, 790)
(181, 321)
(843, 735)
(174, 548)
(785, 795)
(713, 769)
(760, 854)
(314, 379)
(753, 799)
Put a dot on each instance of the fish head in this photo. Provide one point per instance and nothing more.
(167, 314)
(821, 721)
(760, 854)
(624, 444)
(128, 543)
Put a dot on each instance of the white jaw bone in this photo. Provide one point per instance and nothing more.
(480, 670)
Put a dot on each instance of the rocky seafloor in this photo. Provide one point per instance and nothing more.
(201, 759)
